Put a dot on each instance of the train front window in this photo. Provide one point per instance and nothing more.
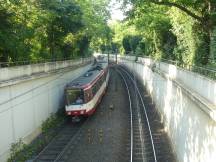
(75, 97)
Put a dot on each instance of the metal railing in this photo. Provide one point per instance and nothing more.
(23, 70)
(209, 72)
(31, 62)
(205, 71)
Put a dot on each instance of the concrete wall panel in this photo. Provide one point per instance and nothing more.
(191, 130)
(26, 104)
(5, 96)
(202, 85)
(23, 114)
(6, 134)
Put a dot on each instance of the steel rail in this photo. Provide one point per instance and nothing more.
(146, 115)
(66, 146)
(131, 115)
(43, 150)
(71, 141)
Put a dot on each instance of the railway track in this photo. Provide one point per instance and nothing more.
(65, 138)
(148, 143)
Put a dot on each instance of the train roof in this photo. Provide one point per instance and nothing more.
(89, 76)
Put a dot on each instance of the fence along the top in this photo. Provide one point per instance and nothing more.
(30, 62)
(13, 73)
(209, 72)
(205, 71)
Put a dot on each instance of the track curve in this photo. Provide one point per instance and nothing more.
(117, 132)
(150, 144)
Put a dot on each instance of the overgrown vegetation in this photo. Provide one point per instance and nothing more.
(51, 29)
(21, 152)
(179, 30)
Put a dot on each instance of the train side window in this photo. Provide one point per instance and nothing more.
(97, 85)
(94, 89)
(101, 80)
(87, 95)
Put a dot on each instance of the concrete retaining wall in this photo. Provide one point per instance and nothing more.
(26, 103)
(186, 102)
(17, 72)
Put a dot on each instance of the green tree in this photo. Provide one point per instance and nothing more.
(44, 29)
(202, 15)
(5, 33)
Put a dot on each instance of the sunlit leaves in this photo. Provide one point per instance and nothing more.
(189, 23)
(43, 29)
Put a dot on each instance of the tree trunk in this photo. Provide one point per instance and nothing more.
(213, 45)
(207, 41)
(52, 42)
(212, 10)
(209, 27)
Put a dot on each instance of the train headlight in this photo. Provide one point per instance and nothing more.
(69, 113)
(82, 112)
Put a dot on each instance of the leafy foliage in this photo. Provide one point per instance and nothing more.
(176, 29)
(132, 43)
(44, 29)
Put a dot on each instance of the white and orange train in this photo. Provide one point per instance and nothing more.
(85, 93)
